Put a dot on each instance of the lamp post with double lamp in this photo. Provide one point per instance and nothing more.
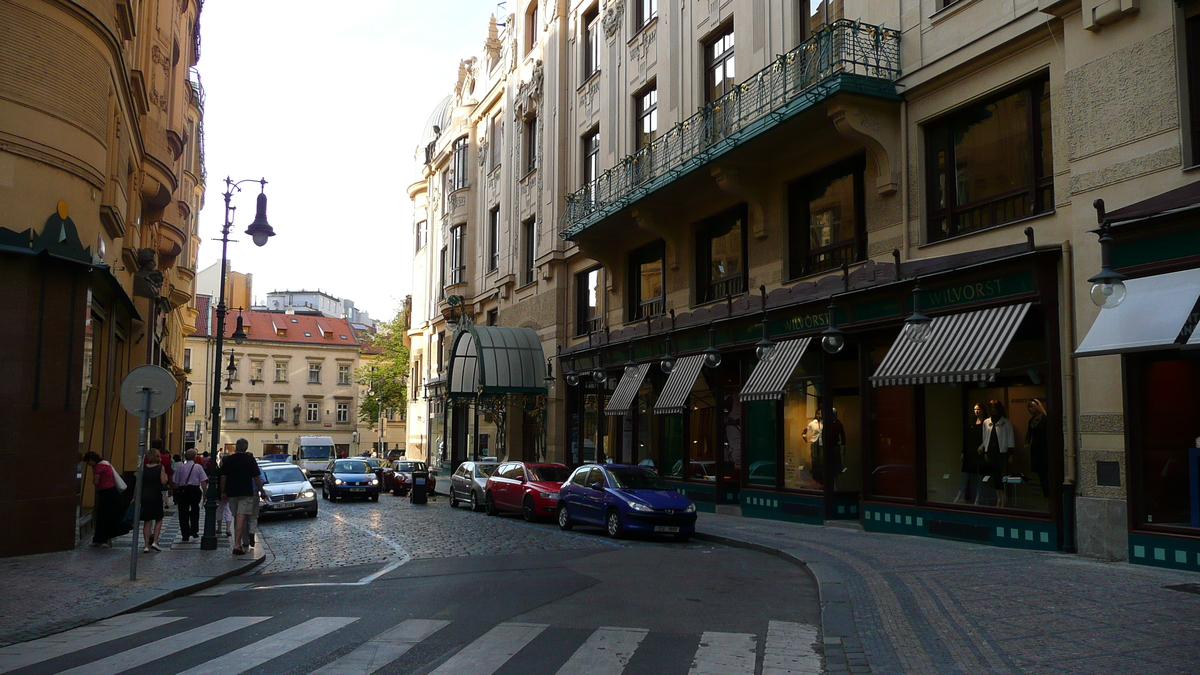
(260, 231)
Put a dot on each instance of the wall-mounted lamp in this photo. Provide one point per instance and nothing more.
(918, 327)
(832, 339)
(667, 362)
(548, 380)
(630, 365)
(239, 333)
(231, 371)
(712, 355)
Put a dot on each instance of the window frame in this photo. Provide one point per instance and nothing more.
(644, 12)
(531, 143)
(707, 288)
(585, 323)
(642, 112)
(314, 373)
(496, 136)
(422, 234)
(313, 412)
(531, 27)
(655, 250)
(590, 149)
(589, 41)
(713, 62)
(493, 243)
(529, 250)
(459, 179)
(281, 368)
(799, 195)
(343, 413)
(228, 406)
(458, 262)
(343, 370)
(278, 410)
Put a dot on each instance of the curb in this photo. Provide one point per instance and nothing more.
(843, 651)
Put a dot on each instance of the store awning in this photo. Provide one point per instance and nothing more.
(496, 360)
(679, 385)
(1156, 313)
(768, 381)
(622, 400)
(961, 348)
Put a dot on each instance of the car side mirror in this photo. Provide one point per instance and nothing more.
(598, 487)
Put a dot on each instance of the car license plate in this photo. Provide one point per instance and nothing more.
(286, 505)
(665, 528)
(358, 489)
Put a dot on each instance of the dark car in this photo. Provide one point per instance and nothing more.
(398, 478)
(350, 478)
(378, 466)
(624, 498)
(468, 481)
(530, 488)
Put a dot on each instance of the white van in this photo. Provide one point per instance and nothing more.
(313, 454)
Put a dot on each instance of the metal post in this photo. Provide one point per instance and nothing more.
(138, 488)
(208, 541)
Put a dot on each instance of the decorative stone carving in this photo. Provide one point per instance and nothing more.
(148, 280)
(161, 58)
(642, 44)
(737, 183)
(878, 130)
(529, 92)
(612, 17)
(464, 89)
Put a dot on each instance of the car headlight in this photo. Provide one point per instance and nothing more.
(374, 481)
(548, 495)
(637, 506)
(338, 481)
(690, 509)
(308, 494)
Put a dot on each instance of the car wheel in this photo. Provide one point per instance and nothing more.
(683, 537)
(453, 499)
(312, 514)
(375, 497)
(474, 503)
(564, 518)
(489, 504)
(527, 509)
(612, 524)
(325, 493)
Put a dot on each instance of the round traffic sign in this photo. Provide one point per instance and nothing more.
(160, 382)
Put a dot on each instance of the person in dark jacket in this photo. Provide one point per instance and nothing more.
(1036, 441)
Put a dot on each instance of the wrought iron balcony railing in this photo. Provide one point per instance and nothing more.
(843, 56)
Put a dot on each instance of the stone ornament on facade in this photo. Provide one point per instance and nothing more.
(148, 280)
(612, 17)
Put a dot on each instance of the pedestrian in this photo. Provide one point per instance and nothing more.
(242, 483)
(189, 492)
(154, 477)
(108, 511)
(202, 460)
(156, 446)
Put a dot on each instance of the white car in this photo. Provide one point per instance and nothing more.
(288, 491)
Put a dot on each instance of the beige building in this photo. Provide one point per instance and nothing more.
(102, 177)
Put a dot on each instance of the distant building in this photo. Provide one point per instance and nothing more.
(317, 301)
(239, 287)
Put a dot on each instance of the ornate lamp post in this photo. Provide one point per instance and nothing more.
(260, 231)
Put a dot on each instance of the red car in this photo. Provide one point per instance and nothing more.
(398, 477)
(528, 487)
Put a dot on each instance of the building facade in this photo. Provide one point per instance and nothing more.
(102, 177)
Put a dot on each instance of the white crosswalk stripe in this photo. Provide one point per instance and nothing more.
(606, 652)
(383, 649)
(725, 654)
(252, 656)
(132, 658)
(790, 649)
(37, 651)
(485, 655)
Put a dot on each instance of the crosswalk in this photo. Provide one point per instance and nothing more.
(160, 642)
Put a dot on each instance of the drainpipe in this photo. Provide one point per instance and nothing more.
(903, 156)
(1070, 401)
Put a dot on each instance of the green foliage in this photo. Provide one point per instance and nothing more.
(385, 375)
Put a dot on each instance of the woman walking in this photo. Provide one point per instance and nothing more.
(108, 511)
(154, 478)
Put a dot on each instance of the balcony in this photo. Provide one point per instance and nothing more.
(845, 56)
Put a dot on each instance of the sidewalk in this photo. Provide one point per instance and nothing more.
(895, 604)
(52, 592)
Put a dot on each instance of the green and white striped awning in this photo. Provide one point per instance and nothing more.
(623, 397)
(769, 380)
(674, 397)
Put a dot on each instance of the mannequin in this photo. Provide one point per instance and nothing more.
(836, 435)
(968, 488)
(1035, 440)
(812, 435)
(998, 441)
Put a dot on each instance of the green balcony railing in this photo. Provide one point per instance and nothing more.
(843, 56)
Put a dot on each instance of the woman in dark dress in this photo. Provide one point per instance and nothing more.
(968, 489)
(1035, 440)
(108, 511)
(154, 480)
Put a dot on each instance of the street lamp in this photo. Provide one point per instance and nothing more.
(917, 327)
(833, 339)
(712, 355)
(260, 231)
(667, 363)
(239, 333)
(764, 347)
(548, 380)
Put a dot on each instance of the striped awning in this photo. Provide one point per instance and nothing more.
(679, 385)
(962, 348)
(768, 381)
(622, 399)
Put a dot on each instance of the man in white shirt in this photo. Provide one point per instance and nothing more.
(190, 480)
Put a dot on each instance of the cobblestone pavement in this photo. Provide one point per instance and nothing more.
(924, 605)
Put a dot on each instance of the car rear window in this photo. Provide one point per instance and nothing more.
(485, 470)
(409, 467)
(556, 474)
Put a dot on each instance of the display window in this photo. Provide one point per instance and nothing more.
(800, 422)
(893, 427)
(760, 450)
(701, 444)
(643, 439)
(1165, 438)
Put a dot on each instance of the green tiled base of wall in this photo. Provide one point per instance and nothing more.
(703, 496)
(781, 506)
(994, 530)
(1179, 554)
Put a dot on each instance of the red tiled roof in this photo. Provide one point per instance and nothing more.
(293, 328)
(202, 304)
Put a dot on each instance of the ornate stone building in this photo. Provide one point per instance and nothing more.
(102, 177)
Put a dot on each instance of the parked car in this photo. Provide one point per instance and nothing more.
(398, 477)
(624, 498)
(378, 466)
(526, 487)
(395, 454)
(350, 478)
(288, 491)
(468, 482)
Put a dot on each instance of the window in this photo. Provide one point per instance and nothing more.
(493, 317)
(718, 65)
(187, 358)
(415, 379)
(721, 247)
(343, 413)
(343, 373)
(231, 411)
(531, 143)
(591, 41)
(279, 411)
(646, 113)
(943, 4)
(645, 10)
(826, 222)
(255, 410)
(314, 412)
(441, 351)
(1191, 40)
(314, 373)
(256, 371)
(990, 163)
(458, 265)
(442, 274)
(497, 138)
(1161, 388)
(531, 27)
(528, 249)
(646, 281)
(591, 157)
(493, 239)
(459, 179)
(422, 232)
(281, 371)
(587, 302)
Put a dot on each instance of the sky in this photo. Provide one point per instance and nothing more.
(327, 101)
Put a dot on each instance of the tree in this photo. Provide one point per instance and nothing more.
(386, 374)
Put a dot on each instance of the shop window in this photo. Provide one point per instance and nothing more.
(761, 466)
(990, 163)
(643, 437)
(827, 223)
(700, 461)
(893, 425)
(591, 41)
(671, 454)
(719, 65)
(587, 302)
(647, 281)
(721, 251)
(1164, 398)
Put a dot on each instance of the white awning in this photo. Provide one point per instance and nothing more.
(679, 385)
(768, 381)
(1153, 316)
(623, 397)
(963, 347)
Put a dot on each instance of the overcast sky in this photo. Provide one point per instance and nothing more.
(327, 102)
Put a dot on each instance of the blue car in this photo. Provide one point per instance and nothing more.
(623, 498)
(350, 478)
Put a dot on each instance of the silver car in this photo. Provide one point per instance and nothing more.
(288, 491)
(467, 483)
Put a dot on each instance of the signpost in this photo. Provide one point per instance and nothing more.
(147, 391)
